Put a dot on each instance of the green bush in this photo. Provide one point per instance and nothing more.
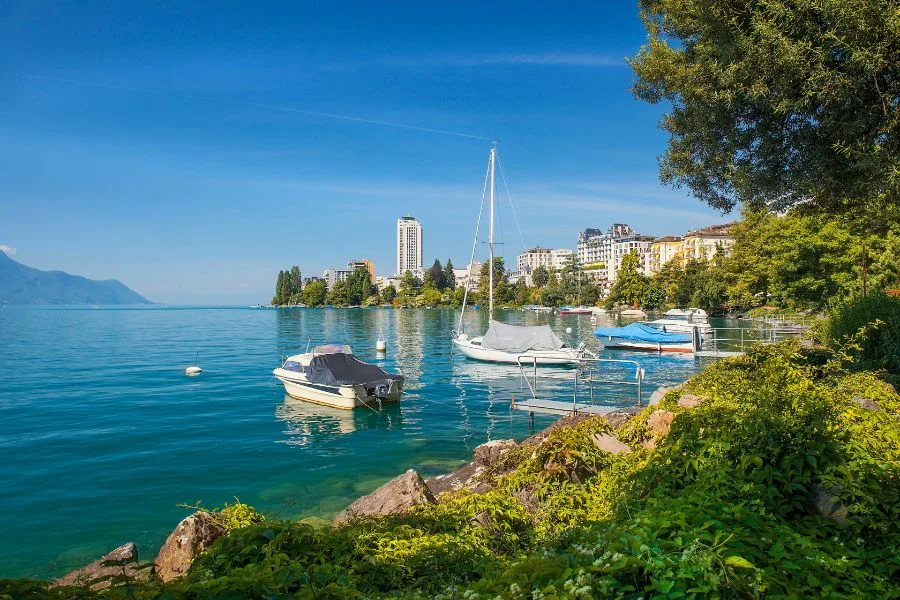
(868, 330)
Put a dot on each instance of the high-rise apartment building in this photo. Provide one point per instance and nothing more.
(597, 248)
(409, 245)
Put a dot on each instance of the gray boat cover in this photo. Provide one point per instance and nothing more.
(520, 338)
(345, 369)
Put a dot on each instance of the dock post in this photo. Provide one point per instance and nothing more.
(531, 419)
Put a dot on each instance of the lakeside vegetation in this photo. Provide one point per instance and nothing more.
(720, 505)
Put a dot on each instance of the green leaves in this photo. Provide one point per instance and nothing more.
(738, 562)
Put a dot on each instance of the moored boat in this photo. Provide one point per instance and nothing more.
(504, 343)
(575, 310)
(638, 336)
(333, 376)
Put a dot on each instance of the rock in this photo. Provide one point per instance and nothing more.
(489, 453)
(609, 443)
(126, 559)
(620, 416)
(658, 394)
(689, 401)
(820, 500)
(395, 497)
(660, 421)
(482, 519)
(192, 536)
(867, 403)
(466, 477)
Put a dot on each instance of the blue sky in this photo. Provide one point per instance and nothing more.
(173, 145)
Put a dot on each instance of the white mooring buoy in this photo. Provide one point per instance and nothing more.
(568, 330)
(194, 369)
(380, 345)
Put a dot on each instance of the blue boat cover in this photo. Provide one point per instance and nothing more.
(641, 333)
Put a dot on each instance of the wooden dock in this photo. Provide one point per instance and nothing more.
(555, 407)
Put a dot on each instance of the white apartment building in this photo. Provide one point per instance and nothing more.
(531, 259)
(409, 245)
(464, 278)
(608, 248)
(332, 276)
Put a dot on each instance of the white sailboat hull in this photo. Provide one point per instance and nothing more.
(471, 349)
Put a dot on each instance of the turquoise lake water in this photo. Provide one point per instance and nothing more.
(102, 436)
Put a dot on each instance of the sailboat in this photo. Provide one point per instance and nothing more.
(503, 343)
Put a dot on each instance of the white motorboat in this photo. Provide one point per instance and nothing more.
(333, 376)
(639, 336)
(683, 321)
(503, 343)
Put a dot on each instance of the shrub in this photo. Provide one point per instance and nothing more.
(868, 330)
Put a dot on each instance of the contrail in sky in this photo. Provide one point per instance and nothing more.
(277, 107)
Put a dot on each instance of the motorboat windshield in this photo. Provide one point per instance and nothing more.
(334, 348)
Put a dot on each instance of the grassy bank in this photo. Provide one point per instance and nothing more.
(720, 506)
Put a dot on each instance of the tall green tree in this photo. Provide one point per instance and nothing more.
(630, 283)
(285, 292)
(338, 295)
(296, 283)
(777, 102)
(449, 276)
(410, 285)
(501, 281)
(314, 293)
(540, 277)
(434, 276)
(388, 294)
(358, 286)
(279, 284)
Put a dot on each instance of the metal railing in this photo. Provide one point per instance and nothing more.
(532, 361)
(745, 337)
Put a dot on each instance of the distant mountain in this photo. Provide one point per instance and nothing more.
(23, 285)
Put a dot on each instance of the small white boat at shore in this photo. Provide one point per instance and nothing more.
(333, 376)
(639, 336)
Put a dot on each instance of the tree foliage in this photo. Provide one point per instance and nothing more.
(630, 283)
(540, 277)
(288, 287)
(315, 292)
(777, 102)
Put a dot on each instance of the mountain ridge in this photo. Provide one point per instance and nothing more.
(21, 284)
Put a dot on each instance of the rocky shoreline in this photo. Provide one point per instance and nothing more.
(198, 531)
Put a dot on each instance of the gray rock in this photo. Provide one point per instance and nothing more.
(466, 477)
(396, 496)
(609, 443)
(620, 416)
(192, 536)
(98, 575)
(660, 421)
(867, 403)
(658, 394)
(689, 401)
(489, 453)
(820, 499)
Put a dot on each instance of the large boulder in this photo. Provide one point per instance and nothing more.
(867, 403)
(689, 401)
(620, 416)
(396, 496)
(123, 561)
(467, 477)
(489, 453)
(609, 443)
(192, 536)
(821, 500)
(659, 421)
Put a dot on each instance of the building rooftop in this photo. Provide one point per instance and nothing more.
(722, 230)
(668, 238)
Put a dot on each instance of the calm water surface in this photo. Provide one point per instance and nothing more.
(102, 436)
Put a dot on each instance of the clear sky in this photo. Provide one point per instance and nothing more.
(173, 145)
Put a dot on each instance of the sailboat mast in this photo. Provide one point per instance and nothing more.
(491, 241)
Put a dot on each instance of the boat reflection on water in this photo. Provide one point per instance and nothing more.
(308, 423)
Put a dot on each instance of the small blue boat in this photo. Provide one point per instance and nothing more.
(638, 336)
